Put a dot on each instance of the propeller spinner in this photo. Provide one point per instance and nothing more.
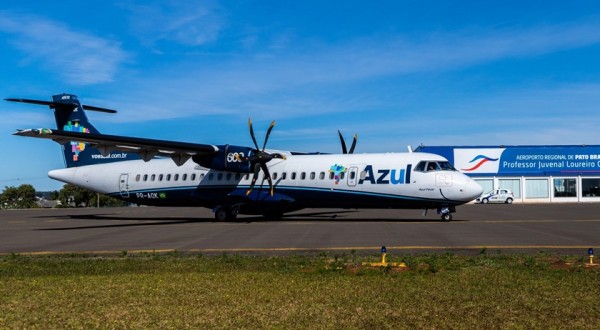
(259, 158)
(344, 150)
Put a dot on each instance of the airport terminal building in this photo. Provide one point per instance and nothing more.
(565, 173)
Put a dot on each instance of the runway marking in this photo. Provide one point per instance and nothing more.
(375, 249)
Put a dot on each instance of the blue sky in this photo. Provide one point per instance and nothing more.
(397, 73)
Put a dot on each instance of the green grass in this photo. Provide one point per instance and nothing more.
(325, 292)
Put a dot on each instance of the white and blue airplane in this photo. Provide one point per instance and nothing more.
(224, 177)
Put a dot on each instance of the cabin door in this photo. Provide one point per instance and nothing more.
(124, 185)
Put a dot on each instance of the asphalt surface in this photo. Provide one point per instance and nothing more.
(561, 228)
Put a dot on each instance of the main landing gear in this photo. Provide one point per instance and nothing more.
(226, 213)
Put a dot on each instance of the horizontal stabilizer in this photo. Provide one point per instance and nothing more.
(53, 105)
(147, 148)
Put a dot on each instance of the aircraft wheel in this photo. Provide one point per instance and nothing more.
(224, 214)
(509, 200)
(446, 217)
(485, 201)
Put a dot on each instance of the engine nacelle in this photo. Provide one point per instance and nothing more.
(229, 158)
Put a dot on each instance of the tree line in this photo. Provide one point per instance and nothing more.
(25, 196)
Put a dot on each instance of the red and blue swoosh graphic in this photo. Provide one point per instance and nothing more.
(482, 159)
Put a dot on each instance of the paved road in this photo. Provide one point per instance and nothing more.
(568, 228)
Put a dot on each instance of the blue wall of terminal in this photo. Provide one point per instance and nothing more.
(479, 161)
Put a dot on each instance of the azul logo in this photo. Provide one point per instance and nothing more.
(76, 147)
(478, 161)
(337, 171)
(386, 176)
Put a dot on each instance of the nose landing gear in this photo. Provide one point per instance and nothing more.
(446, 212)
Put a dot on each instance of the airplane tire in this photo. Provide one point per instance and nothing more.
(509, 200)
(446, 217)
(224, 214)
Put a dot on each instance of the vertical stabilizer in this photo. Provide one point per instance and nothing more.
(70, 116)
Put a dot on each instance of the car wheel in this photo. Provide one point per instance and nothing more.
(509, 200)
(485, 201)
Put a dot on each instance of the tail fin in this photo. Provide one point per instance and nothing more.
(70, 116)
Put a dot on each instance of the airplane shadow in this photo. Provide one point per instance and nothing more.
(165, 221)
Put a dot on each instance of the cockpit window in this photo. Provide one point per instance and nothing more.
(446, 166)
(432, 166)
(420, 167)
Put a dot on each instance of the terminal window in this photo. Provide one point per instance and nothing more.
(536, 188)
(565, 187)
(590, 187)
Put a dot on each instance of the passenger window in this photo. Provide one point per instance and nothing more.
(145, 177)
(220, 176)
(211, 176)
(283, 175)
(184, 177)
(322, 175)
(275, 176)
(342, 175)
(137, 177)
(201, 176)
(331, 175)
(168, 177)
(160, 177)
(237, 177)
(312, 175)
(247, 176)
(352, 175)
(302, 175)
(153, 177)
(229, 176)
(193, 177)
(175, 177)
(293, 175)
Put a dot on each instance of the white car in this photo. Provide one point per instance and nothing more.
(496, 196)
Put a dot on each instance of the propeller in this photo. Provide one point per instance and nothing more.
(344, 150)
(259, 158)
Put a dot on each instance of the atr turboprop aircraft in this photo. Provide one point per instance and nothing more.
(224, 177)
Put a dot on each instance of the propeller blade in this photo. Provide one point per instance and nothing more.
(353, 144)
(252, 133)
(265, 169)
(268, 134)
(344, 150)
(254, 177)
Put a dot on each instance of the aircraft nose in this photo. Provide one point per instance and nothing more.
(472, 189)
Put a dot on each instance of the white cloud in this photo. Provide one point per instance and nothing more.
(190, 23)
(80, 58)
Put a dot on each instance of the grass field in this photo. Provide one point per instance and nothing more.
(324, 292)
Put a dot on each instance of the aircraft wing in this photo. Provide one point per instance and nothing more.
(180, 152)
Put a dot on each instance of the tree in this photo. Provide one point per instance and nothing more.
(74, 196)
(18, 198)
